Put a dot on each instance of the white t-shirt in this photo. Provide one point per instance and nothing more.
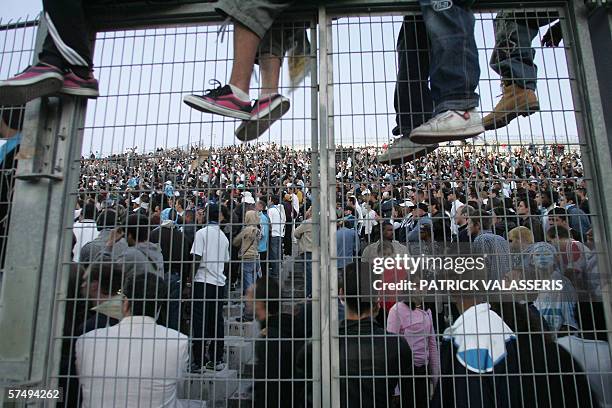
(85, 231)
(276, 220)
(213, 246)
(454, 206)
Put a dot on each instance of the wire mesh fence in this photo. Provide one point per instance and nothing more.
(321, 253)
(18, 39)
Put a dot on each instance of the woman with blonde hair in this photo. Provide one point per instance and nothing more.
(248, 241)
(519, 239)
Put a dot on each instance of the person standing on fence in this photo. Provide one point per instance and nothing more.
(65, 63)
(513, 59)
(255, 41)
(442, 47)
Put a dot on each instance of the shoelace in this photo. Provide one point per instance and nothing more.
(214, 92)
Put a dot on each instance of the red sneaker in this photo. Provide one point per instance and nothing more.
(35, 81)
(220, 101)
(77, 86)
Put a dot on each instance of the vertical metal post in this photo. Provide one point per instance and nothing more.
(317, 272)
(592, 125)
(25, 243)
(38, 242)
(330, 393)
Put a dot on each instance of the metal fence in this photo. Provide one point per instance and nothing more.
(85, 166)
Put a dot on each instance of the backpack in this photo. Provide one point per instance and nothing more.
(416, 326)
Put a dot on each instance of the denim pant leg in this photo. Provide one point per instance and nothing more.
(513, 55)
(249, 268)
(174, 303)
(412, 100)
(454, 71)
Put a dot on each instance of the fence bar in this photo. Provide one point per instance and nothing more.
(317, 271)
(592, 56)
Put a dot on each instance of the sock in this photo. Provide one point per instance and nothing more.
(240, 94)
(267, 94)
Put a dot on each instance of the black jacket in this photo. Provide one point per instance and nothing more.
(275, 356)
(460, 388)
(441, 227)
(533, 223)
(367, 350)
(175, 248)
(463, 235)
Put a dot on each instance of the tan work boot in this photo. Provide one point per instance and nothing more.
(515, 101)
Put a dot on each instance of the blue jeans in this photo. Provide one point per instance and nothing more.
(274, 257)
(250, 268)
(454, 70)
(513, 55)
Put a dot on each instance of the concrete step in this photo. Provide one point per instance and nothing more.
(193, 403)
(242, 329)
(235, 294)
(238, 351)
(214, 387)
(243, 397)
(232, 310)
(248, 369)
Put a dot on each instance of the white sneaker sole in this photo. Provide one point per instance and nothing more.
(405, 154)
(424, 137)
(18, 92)
(256, 125)
(198, 103)
(83, 92)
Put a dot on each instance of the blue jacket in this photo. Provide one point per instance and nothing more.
(265, 232)
(578, 220)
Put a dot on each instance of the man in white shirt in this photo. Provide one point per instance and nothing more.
(210, 252)
(276, 213)
(455, 203)
(295, 202)
(85, 229)
(135, 363)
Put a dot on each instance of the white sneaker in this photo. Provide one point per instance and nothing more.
(448, 126)
(403, 150)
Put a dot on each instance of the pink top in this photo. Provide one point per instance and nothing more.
(416, 325)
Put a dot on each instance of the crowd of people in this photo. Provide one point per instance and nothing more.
(162, 240)
(207, 222)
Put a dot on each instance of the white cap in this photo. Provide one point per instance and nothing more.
(248, 199)
(407, 203)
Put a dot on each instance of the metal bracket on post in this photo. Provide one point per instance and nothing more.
(41, 154)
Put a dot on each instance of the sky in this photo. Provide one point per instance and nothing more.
(144, 75)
